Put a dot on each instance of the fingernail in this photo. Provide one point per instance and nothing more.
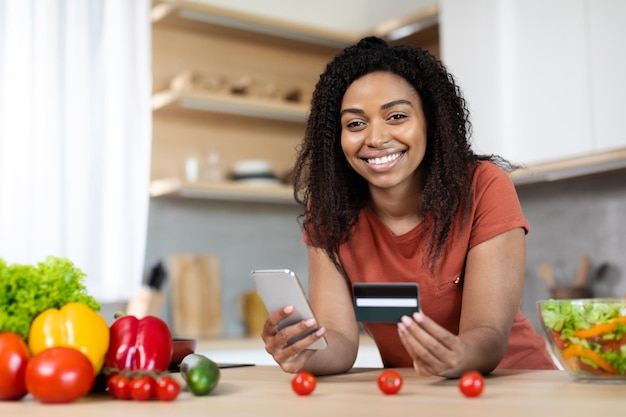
(406, 321)
(320, 332)
(288, 309)
(401, 328)
(418, 317)
(309, 322)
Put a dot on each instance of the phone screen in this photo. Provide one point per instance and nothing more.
(279, 288)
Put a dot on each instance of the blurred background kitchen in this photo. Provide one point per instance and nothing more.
(151, 142)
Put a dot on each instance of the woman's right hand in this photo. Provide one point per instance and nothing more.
(291, 358)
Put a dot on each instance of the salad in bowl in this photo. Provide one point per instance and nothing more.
(587, 336)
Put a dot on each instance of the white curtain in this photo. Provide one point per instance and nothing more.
(75, 133)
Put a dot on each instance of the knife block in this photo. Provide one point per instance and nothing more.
(147, 302)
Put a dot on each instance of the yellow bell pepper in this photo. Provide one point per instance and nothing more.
(74, 325)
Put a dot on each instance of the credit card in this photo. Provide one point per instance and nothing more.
(385, 302)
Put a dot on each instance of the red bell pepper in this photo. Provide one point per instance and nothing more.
(139, 344)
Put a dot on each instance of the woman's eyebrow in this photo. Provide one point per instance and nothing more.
(383, 107)
(351, 110)
(395, 103)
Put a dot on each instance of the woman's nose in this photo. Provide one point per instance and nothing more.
(378, 136)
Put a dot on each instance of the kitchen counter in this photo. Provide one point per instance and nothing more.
(266, 391)
(252, 350)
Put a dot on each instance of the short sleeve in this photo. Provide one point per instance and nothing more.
(495, 205)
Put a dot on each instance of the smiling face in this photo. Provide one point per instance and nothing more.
(383, 131)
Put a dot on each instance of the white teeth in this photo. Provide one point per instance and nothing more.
(384, 159)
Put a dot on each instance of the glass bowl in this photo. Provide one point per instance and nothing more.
(587, 337)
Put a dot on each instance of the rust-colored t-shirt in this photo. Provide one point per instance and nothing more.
(374, 254)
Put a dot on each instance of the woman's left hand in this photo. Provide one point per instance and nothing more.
(433, 349)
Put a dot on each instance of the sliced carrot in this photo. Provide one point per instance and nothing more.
(576, 350)
(599, 329)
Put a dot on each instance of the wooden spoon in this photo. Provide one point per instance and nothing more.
(583, 270)
(546, 273)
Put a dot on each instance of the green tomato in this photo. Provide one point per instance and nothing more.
(200, 373)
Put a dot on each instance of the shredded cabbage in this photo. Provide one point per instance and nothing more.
(559, 315)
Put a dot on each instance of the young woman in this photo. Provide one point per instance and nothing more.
(392, 192)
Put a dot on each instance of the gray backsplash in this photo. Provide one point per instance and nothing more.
(571, 218)
(568, 219)
(245, 236)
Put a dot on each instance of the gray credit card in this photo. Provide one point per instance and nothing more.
(385, 302)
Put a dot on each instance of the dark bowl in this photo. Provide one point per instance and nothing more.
(181, 347)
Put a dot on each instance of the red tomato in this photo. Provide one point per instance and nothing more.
(558, 342)
(59, 375)
(303, 383)
(142, 388)
(610, 345)
(14, 357)
(167, 389)
(471, 384)
(119, 387)
(390, 381)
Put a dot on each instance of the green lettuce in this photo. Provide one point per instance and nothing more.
(27, 290)
(559, 315)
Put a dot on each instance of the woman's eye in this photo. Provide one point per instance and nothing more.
(397, 116)
(354, 124)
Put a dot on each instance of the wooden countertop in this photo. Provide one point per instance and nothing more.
(266, 391)
(253, 342)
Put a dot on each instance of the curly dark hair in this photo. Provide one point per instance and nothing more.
(332, 194)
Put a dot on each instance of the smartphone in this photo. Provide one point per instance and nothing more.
(385, 302)
(279, 288)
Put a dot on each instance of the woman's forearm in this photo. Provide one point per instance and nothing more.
(484, 349)
(338, 357)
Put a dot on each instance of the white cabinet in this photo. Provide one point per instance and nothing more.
(607, 29)
(544, 80)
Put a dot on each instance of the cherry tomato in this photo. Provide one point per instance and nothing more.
(14, 357)
(119, 387)
(142, 388)
(303, 383)
(167, 389)
(389, 381)
(471, 384)
(59, 375)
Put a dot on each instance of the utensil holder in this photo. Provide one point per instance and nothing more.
(570, 292)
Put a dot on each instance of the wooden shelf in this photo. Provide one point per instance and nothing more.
(227, 191)
(408, 25)
(232, 191)
(571, 167)
(230, 104)
(182, 12)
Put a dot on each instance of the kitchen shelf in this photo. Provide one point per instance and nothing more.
(225, 190)
(181, 13)
(232, 191)
(580, 166)
(230, 104)
(409, 25)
